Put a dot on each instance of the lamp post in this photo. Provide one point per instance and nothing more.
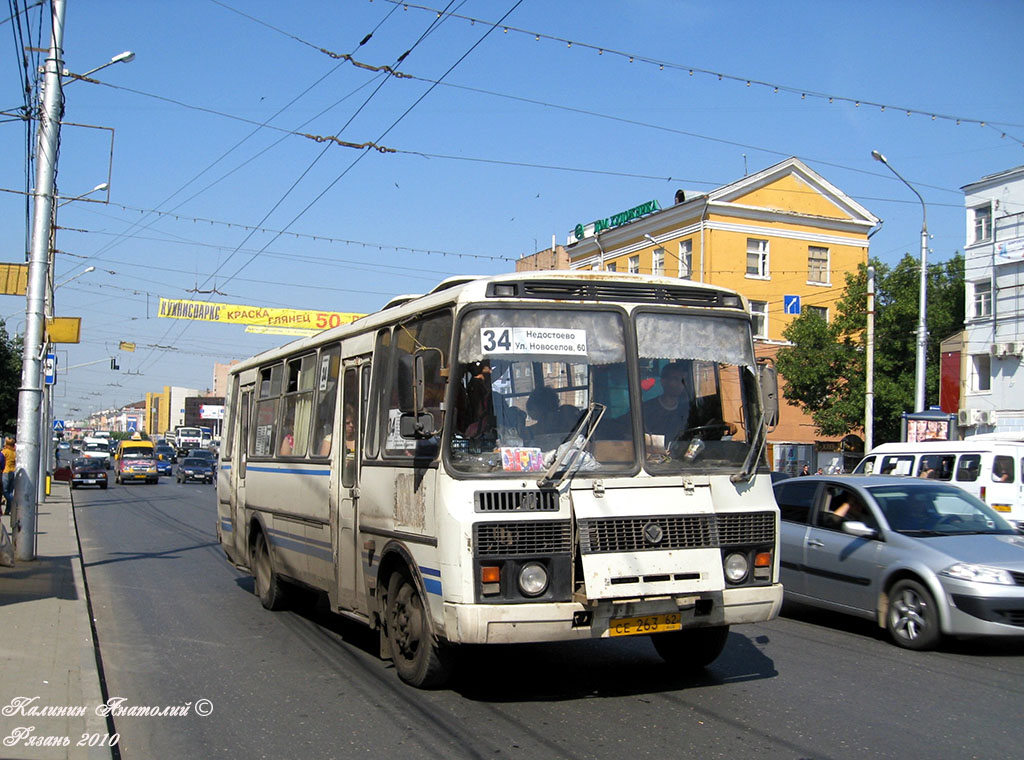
(922, 319)
(101, 187)
(126, 57)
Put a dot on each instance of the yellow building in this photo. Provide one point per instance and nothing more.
(784, 237)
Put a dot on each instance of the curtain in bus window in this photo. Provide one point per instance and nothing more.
(672, 336)
(298, 405)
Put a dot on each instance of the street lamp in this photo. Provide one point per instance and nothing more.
(101, 187)
(922, 318)
(74, 277)
(126, 57)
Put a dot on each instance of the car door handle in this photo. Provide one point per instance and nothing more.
(815, 543)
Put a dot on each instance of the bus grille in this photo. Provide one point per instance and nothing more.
(516, 501)
(630, 534)
(515, 539)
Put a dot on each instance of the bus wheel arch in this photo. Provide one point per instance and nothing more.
(267, 585)
(408, 638)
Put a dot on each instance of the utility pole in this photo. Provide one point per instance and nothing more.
(869, 394)
(30, 393)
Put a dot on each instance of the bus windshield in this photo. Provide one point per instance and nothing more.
(525, 378)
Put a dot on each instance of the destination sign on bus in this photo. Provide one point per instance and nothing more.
(533, 340)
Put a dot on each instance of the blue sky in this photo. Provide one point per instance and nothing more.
(523, 138)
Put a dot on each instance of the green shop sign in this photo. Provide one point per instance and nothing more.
(617, 220)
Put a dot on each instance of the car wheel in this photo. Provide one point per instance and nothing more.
(74, 486)
(691, 649)
(419, 658)
(103, 486)
(912, 619)
(268, 586)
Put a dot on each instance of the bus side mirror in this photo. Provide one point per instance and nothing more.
(768, 379)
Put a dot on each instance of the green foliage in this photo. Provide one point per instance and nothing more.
(10, 379)
(825, 368)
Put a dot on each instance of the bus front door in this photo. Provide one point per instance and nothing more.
(349, 556)
(240, 445)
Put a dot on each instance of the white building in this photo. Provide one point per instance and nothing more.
(992, 383)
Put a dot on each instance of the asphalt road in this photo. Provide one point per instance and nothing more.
(178, 625)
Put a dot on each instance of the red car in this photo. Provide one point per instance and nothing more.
(88, 472)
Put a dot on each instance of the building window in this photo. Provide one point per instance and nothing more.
(757, 258)
(821, 311)
(613, 267)
(634, 264)
(981, 303)
(817, 264)
(982, 223)
(686, 259)
(981, 373)
(759, 312)
(658, 261)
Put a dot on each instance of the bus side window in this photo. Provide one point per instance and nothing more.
(968, 468)
(264, 432)
(1002, 469)
(328, 369)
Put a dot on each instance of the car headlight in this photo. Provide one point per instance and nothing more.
(533, 579)
(979, 574)
(736, 567)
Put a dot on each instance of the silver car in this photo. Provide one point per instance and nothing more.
(921, 557)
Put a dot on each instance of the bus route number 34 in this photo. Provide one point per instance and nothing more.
(534, 340)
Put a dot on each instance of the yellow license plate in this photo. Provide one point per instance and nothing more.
(631, 626)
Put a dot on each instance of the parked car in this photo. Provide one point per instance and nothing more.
(921, 557)
(134, 464)
(194, 468)
(88, 472)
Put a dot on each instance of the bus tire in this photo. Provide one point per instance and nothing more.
(420, 660)
(691, 649)
(268, 586)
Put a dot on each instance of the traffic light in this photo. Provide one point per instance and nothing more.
(113, 363)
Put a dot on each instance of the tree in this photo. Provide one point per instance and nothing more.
(825, 368)
(10, 379)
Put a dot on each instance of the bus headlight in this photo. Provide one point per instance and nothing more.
(736, 567)
(533, 579)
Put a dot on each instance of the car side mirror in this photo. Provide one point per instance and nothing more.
(859, 529)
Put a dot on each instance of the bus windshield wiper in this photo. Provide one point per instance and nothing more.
(750, 463)
(574, 445)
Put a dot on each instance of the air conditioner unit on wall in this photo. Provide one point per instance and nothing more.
(986, 417)
(1003, 349)
(967, 417)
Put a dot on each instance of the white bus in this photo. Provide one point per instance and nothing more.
(512, 459)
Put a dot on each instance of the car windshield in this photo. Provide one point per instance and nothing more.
(194, 462)
(97, 447)
(86, 464)
(936, 510)
(526, 378)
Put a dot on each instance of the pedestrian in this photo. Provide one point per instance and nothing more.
(8, 453)
(806, 470)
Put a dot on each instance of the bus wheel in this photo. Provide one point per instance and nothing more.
(419, 659)
(691, 649)
(268, 586)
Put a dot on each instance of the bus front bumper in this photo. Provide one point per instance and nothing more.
(568, 621)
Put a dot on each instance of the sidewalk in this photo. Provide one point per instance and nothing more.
(47, 658)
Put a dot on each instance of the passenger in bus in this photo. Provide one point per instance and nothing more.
(287, 435)
(476, 404)
(666, 417)
(1000, 471)
(542, 407)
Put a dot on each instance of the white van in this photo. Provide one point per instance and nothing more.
(987, 467)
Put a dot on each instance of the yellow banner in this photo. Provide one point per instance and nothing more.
(13, 279)
(126, 346)
(236, 314)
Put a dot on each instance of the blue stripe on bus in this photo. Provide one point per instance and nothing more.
(324, 472)
(225, 524)
(301, 545)
(225, 467)
(432, 586)
(430, 571)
